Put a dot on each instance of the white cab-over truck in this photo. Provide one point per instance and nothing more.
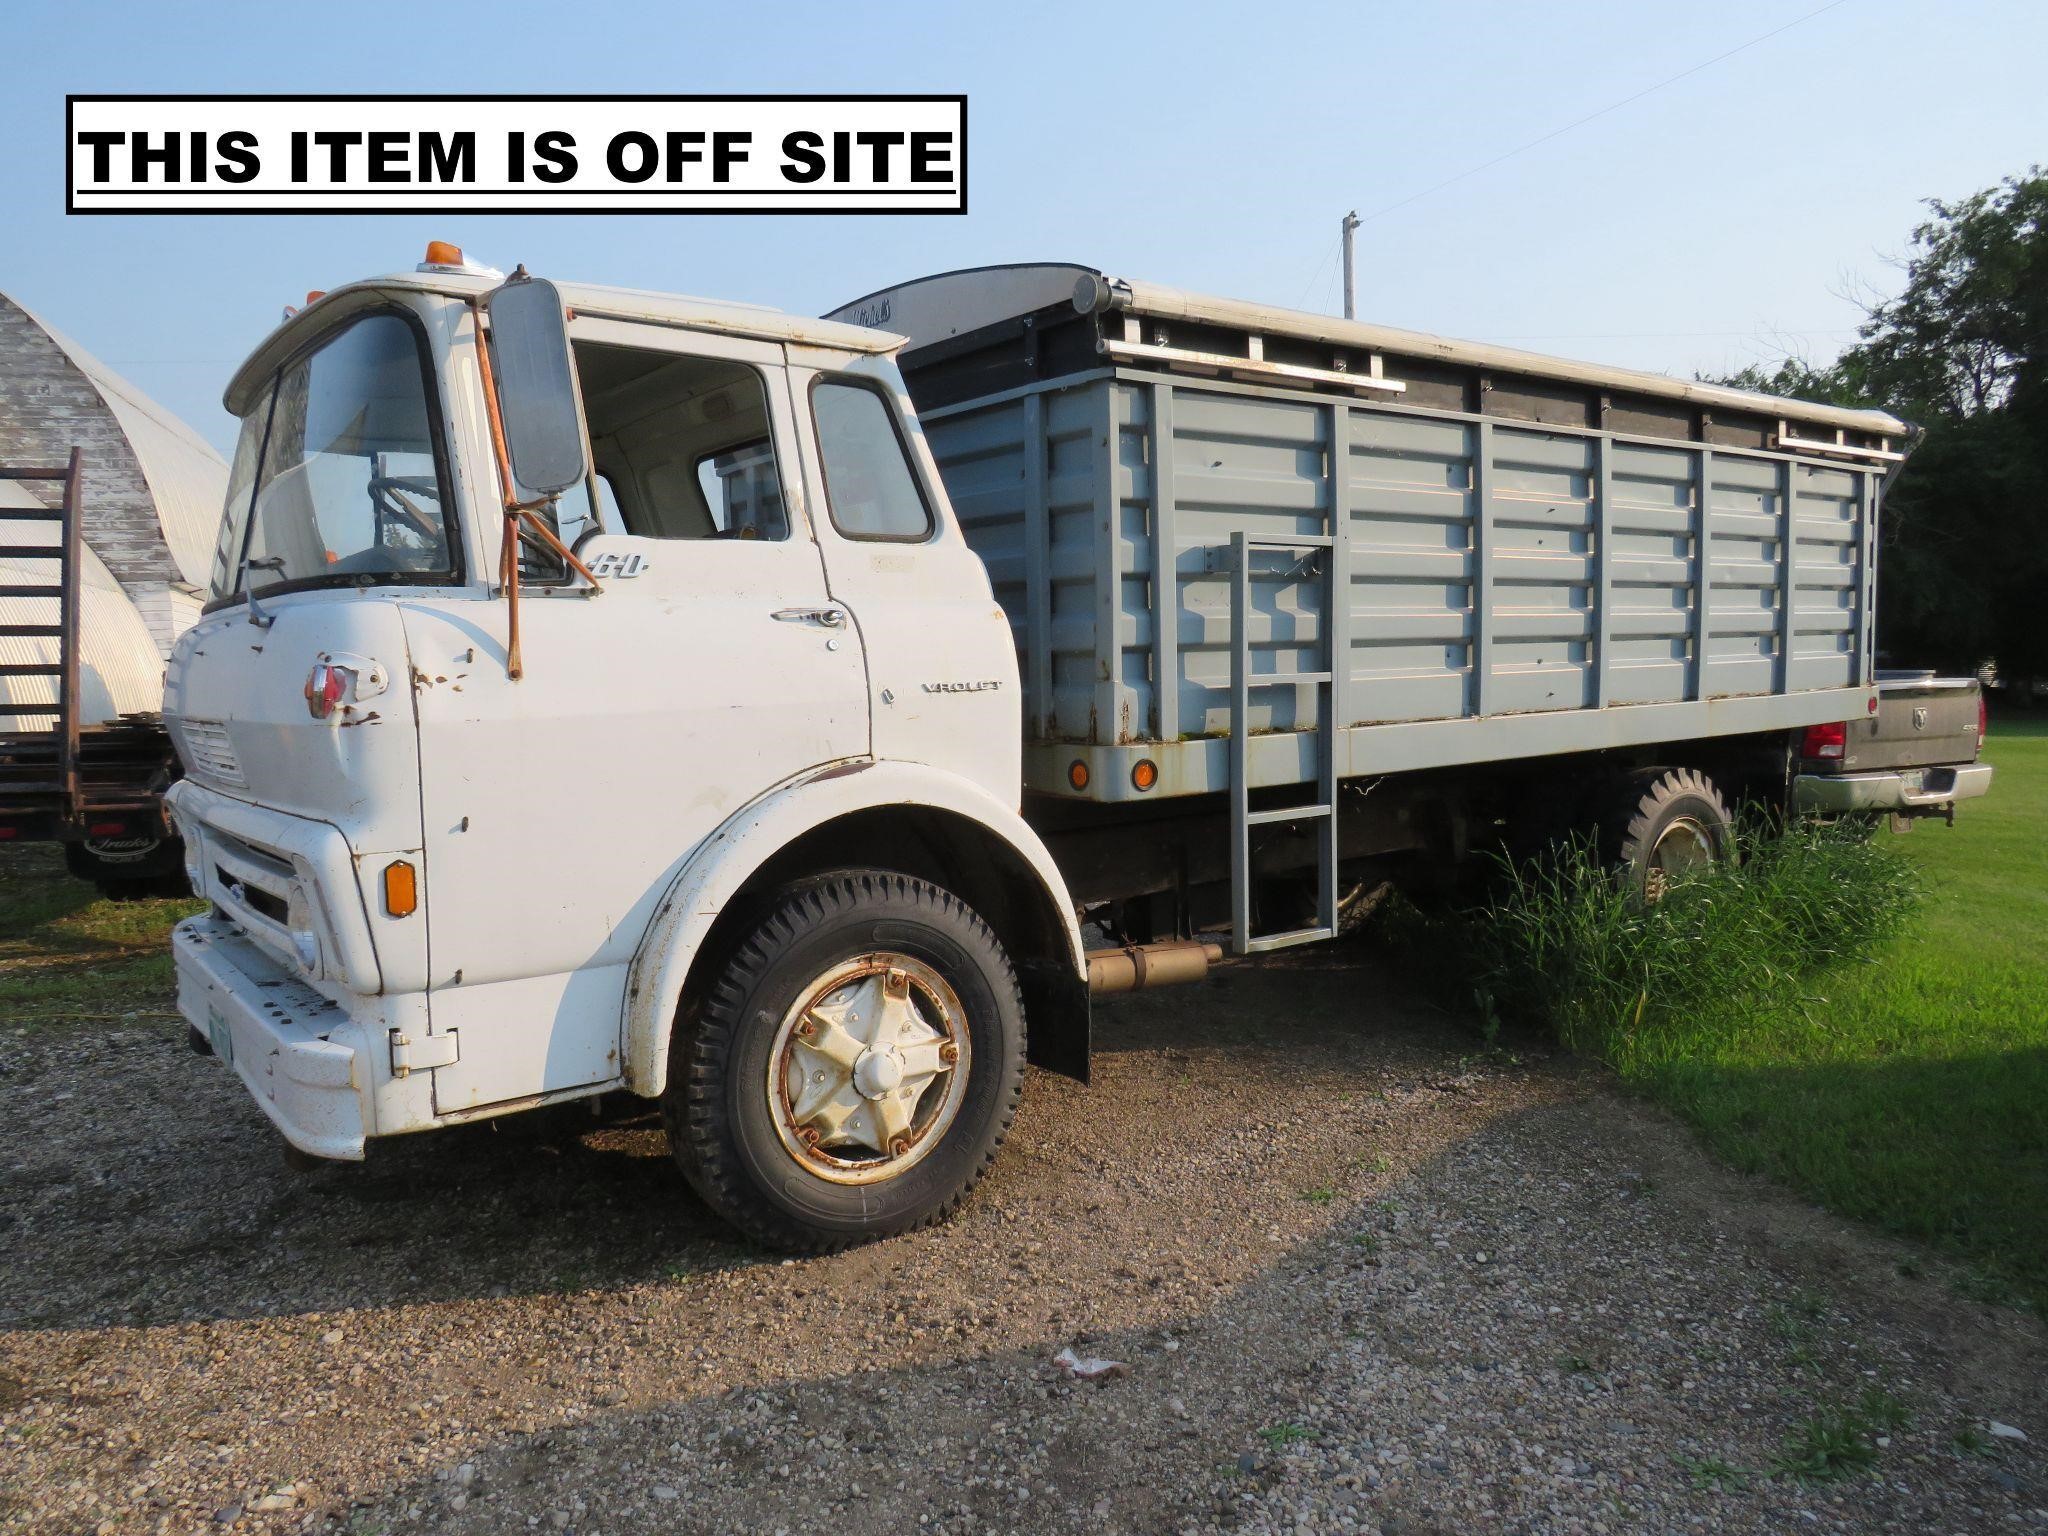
(624, 705)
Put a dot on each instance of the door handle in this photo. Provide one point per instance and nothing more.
(830, 618)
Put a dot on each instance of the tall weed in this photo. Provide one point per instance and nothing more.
(1561, 944)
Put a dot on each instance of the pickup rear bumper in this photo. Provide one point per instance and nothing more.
(1903, 790)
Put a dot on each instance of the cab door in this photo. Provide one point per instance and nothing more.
(712, 666)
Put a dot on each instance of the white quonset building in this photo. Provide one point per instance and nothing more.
(152, 496)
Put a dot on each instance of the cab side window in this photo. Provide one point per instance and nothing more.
(683, 448)
(868, 481)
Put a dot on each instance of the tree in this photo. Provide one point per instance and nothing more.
(1962, 353)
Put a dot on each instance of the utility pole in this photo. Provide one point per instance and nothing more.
(1350, 269)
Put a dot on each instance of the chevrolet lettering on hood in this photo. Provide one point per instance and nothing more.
(987, 687)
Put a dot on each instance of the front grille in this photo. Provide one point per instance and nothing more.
(208, 751)
(255, 898)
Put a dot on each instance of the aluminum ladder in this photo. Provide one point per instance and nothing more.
(65, 553)
(1323, 550)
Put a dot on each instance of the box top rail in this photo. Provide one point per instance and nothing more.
(946, 305)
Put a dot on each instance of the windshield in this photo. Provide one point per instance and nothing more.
(346, 485)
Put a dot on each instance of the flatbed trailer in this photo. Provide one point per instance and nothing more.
(97, 789)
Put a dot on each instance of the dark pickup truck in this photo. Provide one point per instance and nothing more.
(1915, 755)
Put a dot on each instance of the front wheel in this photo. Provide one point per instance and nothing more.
(854, 1069)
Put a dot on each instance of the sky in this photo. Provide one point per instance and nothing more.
(1728, 216)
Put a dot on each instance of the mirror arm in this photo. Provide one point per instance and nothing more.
(260, 616)
(492, 413)
(514, 509)
(553, 541)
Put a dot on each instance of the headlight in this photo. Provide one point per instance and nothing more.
(195, 857)
(299, 921)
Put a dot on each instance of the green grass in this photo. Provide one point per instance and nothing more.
(1712, 1473)
(1865, 1021)
(1910, 1091)
(1833, 1442)
(1563, 945)
(1279, 1436)
(68, 955)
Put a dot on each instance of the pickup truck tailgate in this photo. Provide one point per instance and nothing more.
(1921, 721)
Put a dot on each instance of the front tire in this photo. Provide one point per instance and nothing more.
(854, 1069)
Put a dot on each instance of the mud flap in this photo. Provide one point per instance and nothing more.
(1056, 1019)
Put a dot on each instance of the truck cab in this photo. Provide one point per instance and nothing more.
(688, 770)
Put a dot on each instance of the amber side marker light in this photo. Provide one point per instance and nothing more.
(1144, 773)
(401, 888)
(1077, 774)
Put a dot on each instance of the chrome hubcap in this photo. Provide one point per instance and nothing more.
(868, 1068)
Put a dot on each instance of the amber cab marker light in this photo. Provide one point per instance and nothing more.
(440, 253)
(401, 888)
(1144, 773)
(1077, 775)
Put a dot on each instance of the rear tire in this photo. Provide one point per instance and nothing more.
(130, 869)
(1667, 823)
(854, 1069)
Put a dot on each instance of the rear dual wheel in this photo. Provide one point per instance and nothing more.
(854, 1069)
(1669, 823)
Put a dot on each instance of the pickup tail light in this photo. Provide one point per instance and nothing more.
(1983, 720)
(1825, 743)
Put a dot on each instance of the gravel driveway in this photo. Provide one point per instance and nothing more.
(1360, 1279)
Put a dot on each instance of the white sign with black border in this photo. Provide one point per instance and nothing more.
(516, 154)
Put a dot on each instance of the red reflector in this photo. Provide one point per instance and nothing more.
(9, 834)
(1824, 741)
(106, 829)
(324, 687)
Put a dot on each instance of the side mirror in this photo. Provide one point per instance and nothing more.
(536, 385)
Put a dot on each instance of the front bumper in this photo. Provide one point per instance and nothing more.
(296, 1051)
(1904, 790)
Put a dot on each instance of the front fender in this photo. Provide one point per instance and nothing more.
(722, 865)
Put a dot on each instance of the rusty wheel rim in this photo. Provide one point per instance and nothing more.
(868, 1068)
(1682, 848)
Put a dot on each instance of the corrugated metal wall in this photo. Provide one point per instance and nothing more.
(119, 670)
(187, 479)
(1492, 568)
